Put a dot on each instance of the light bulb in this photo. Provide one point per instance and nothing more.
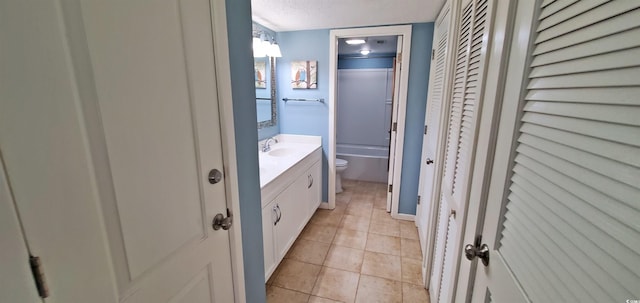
(355, 41)
(258, 49)
(274, 51)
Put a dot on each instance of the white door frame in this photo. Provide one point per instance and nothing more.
(227, 130)
(398, 30)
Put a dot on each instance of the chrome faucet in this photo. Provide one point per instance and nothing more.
(267, 144)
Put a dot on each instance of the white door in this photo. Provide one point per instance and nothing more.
(393, 150)
(16, 280)
(562, 210)
(109, 126)
(430, 146)
(469, 65)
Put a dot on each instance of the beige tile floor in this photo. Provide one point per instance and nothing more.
(354, 253)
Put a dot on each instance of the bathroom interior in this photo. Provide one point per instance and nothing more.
(137, 118)
(364, 107)
(355, 251)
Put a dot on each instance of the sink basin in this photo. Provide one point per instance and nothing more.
(282, 152)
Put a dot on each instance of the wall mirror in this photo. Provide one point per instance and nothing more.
(265, 84)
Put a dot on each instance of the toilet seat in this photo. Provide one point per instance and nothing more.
(341, 162)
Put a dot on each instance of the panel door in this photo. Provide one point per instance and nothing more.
(293, 208)
(430, 146)
(469, 65)
(16, 280)
(562, 212)
(109, 126)
(397, 66)
(156, 92)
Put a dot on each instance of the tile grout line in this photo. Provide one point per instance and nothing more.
(331, 243)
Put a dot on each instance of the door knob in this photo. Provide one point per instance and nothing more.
(215, 176)
(476, 250)
(219, 221)
(429, 161)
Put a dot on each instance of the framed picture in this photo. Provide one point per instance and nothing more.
(260, 74)
(304, 74)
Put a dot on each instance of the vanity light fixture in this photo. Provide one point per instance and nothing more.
(274, 51)
(365, 52)
(265, 46)
(355, 41)
(258, 49)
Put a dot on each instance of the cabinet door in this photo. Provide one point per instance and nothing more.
(314, 188)
(269, 219)
(293, 211)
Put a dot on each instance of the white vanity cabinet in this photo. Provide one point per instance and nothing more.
(288, 202)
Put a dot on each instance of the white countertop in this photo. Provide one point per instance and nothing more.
(283, 155)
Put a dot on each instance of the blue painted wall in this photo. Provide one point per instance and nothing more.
(305, 118)
(313, 118)
(245, 125)
(421, 40)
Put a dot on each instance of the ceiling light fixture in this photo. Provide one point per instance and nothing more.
(355, 41)
(365, 52)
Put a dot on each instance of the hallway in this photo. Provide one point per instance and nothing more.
(343, 256)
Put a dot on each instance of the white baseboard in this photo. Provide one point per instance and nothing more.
(324, 205)
(405, 217)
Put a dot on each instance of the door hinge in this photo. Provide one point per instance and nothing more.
(419, 199)
(395, 126)
(38, 275)
(399, 58)
(433, 54)
(425, 129)
(390, 187)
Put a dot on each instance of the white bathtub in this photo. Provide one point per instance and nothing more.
(366, 163)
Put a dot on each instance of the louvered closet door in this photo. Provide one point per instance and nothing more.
(430, 149)
(563, 213)
(468, 68)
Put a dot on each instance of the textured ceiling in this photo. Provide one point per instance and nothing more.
(292, 15)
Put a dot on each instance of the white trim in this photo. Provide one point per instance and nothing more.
(324, 205)
(225, 104)
(406, 217)
(405, 31)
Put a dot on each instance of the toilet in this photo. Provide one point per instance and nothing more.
(341, 166)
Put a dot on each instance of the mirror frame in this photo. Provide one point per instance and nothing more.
(272, 80)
